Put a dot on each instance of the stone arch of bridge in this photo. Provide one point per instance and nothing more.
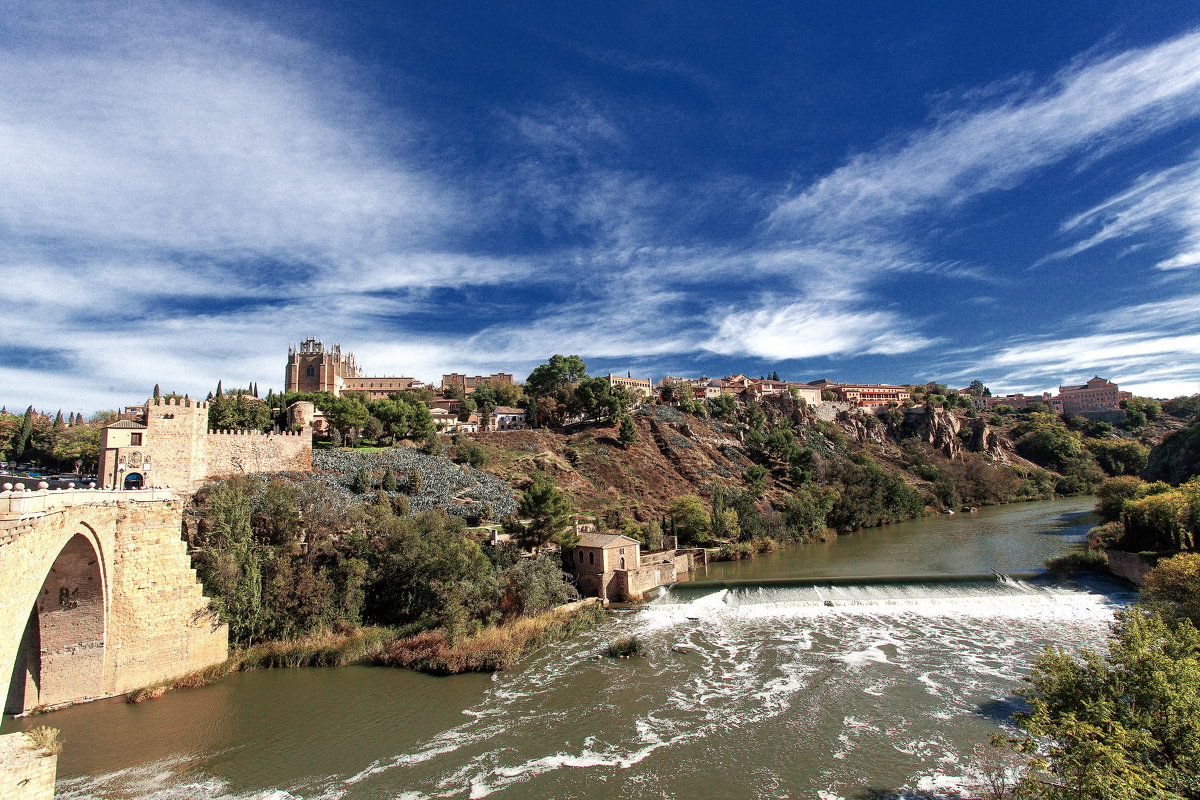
(65, 602)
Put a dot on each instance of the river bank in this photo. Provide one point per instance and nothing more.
(434, 651)
(886, 689)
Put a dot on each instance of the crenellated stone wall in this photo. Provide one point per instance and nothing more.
(176, 450)
(245, 452)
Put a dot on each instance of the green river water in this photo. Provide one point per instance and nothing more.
(759, 691)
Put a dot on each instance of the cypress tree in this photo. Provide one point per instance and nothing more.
(219, 393)
(209, 398)
(362, 481)
(59, 424)
(21, 443)
(389, 481)
(157, 392)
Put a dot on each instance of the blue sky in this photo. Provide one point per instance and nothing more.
(890, 193)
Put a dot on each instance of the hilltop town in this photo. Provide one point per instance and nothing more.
(734, 464)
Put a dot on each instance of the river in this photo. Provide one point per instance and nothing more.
(765, 690)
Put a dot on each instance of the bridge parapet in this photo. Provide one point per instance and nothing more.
(27, 503)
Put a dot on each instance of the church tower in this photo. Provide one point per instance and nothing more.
(312, 368)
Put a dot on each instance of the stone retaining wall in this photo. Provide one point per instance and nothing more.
(1129, 566)
(26, 773)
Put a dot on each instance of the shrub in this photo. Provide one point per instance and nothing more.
(1105, 535)
(736, 551)
(389, 481)
(626, 647)
(472, 454)
(1068, 564)
(46, 739)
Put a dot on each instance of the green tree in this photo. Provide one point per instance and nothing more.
(688, 520)
(362, 483)
(534, 586)
(1167, 520)
(1125, 726)
(542, 516)
(1173, 581)
(559, 371)
(627, 432)
(388, 484)
(240, 412)
(20, 447)
(1119, 456)
(1113, 493)
(806, 511)
(416, 481)
(229, 561)
(345, 414)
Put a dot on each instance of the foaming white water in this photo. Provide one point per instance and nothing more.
(794, 697)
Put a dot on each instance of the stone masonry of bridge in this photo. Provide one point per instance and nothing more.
(26, 773)
(99, 597)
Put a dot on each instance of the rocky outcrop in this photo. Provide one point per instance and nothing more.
(1176, 459)
(864, 427)
(987, 441)
(936, 427)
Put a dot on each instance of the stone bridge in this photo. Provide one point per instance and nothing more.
(97, 596)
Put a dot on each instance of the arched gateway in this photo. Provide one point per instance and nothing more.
(98, 597)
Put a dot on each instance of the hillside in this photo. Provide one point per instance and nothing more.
(950, 458)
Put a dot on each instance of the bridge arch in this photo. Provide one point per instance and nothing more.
(98, 596)
(61, 654)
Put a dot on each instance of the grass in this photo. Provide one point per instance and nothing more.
(626, 647)
(411, 647)
(493, 648)
(46, 739)
(322, 649)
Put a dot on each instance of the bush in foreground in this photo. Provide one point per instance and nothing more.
(1121, 726)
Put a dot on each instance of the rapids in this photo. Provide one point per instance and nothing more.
(793, 688)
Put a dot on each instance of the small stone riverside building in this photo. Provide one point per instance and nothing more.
(171, 447)
(612, 566)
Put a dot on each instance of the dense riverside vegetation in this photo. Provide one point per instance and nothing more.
(284, 560)
(1123, 724)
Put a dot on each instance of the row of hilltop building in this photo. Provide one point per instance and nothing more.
(167, 442)
(311, 367)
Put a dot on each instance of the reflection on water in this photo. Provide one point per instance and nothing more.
(779, 691)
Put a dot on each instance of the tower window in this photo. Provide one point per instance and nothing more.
(310, 372)
(135, 438)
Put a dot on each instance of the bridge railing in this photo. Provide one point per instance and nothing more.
(17, 503)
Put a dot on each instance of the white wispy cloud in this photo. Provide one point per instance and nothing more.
(871, 217)
(1168, 198)
(1092, 103)
(779, 330)
(1152, 348)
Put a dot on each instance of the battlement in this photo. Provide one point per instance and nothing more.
(183, 402)
(270, 435)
